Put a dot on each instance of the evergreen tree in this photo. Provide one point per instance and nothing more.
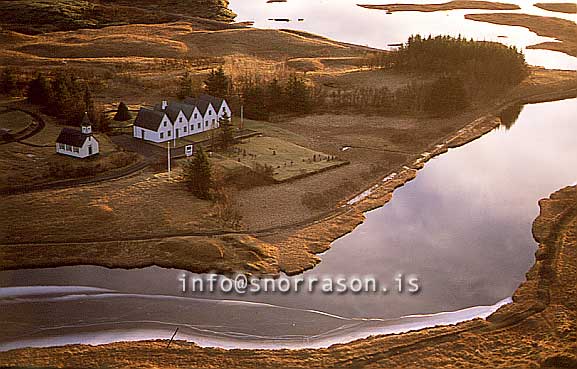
(218, 83)
(253, 96)
(8, 82)
(186, 86)
(298, 95)
(275, 101)
(122, 113)
(38, 91)
(446, 95)
(226, 132)
(197, 175)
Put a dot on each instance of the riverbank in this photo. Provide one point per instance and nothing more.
(537, 330)
(451, 5)
(565, 31)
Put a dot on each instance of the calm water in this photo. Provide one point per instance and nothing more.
(342, 20)
(463, 226)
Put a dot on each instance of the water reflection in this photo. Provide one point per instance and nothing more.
(509, 116)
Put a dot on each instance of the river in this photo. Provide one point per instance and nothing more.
(462, 227)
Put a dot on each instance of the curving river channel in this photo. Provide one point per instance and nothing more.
(463, 227)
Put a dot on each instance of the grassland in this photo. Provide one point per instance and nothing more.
(40, 16)
(288, 161)
(565, 31)
(14, 121)
(451, 5)
(569, 8)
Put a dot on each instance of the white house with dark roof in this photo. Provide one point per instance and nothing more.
(172, 119)
(79, 144)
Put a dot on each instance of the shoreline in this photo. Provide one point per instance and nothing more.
(451, 5)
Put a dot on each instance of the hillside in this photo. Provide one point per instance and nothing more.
(40, 16)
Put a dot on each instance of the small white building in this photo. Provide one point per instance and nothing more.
(79, 144)
(171, 120)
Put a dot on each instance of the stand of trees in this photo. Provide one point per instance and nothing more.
(261, 98)
(66, 98)
(485, 64)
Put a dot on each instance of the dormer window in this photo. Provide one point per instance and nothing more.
(165, 124)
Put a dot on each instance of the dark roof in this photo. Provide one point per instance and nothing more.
(202, 105)
(149, 119)
(72, 137)
(86, 120)
(215, 101)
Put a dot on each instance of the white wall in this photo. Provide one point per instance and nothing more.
(80, 152)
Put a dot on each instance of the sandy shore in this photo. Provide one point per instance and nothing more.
(538, 329)
(451, 5)
(561, 29)
(569, 8)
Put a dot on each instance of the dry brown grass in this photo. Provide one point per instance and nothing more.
(451, 5)
(569, 8)
(561, 29)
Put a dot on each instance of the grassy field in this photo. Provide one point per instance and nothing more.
(14, 121)
(28, 162)
(561, 29)
(569, 8)
(286, 159)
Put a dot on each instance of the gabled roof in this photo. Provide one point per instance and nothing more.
(149, 119)
(72, 137)
(215, 101)
(202, 105)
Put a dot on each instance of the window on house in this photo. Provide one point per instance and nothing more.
(61, 146)
(180, 119)
(192, 127)
(184, 129)
(161, 134)
(168, 133)
(195, 115)
(67, 148)
(213, 121)
(206, 123)
(198, 126)
(76, 149)
(165, 124)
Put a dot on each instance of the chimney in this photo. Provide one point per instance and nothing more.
(164, 104)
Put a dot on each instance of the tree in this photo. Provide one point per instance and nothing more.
(197, 175)
(122, 113)
(226, 134)
(274, 97)
(217, 83)
(298, 95)
(447, 95)
(186, 86)
(8, 83)
(38, 91)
